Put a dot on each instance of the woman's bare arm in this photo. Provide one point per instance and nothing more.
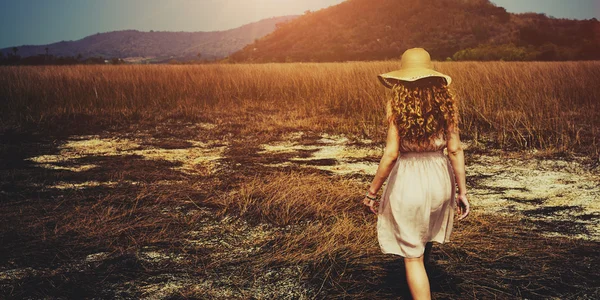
(388, 159)
(457, 159)
(390, 155)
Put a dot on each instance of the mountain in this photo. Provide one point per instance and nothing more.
(456, 29)
(158, 44)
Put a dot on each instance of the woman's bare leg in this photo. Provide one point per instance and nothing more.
(417, 278)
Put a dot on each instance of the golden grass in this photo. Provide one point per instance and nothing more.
(331, 232)
(545, 105)
(321, 225)
(285, 198)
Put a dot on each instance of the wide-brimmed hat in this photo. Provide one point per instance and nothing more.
(414, 65)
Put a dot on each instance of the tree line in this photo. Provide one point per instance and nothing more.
(13, 58)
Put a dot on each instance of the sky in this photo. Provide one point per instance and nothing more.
(38, 22)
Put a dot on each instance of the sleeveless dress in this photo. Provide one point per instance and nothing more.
(418, 201)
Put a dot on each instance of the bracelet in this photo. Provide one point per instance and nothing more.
(370, 198)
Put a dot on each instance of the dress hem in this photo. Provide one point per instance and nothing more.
(406, 256)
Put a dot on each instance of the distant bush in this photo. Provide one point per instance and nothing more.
(511, 52)
(507, 52)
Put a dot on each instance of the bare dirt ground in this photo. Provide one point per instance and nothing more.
(559, 195)
(49, 187)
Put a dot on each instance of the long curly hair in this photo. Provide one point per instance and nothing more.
(423, 109)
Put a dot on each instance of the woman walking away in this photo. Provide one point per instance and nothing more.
(418, 202)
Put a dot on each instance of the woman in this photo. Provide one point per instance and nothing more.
(417, 205)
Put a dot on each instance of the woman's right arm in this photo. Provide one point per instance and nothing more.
(457, 159)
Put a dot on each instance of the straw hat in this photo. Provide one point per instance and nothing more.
(415, 64)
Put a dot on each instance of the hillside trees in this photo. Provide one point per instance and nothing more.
(459, 29)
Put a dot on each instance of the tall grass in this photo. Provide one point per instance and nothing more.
(497, 255)
(522, 105)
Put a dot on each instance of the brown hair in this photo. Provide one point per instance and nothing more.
(422, 109)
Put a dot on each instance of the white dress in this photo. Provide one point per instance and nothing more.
(418, 201)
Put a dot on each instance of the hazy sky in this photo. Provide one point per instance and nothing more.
(35, 22)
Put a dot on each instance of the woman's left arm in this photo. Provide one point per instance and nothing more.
(390, 155)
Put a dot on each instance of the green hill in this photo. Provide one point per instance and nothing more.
(457, 29)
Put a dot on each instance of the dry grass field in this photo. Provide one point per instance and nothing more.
(245, 181)
(510, 105)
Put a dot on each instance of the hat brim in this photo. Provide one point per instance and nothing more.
(387, 79)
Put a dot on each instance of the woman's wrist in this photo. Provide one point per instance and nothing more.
(370, 193)
(373, 198)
